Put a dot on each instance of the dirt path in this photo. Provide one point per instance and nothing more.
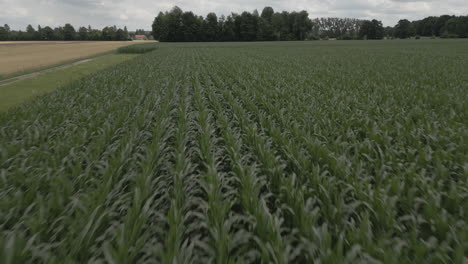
(34, 74)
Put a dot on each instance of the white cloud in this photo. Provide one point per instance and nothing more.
(123, 17)
(140, 13)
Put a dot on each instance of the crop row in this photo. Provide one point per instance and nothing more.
(243, 153)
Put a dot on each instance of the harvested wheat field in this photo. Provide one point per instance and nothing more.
(26, 56)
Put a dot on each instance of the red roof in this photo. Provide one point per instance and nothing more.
(140, 36)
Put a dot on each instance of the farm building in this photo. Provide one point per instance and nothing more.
(140, 37)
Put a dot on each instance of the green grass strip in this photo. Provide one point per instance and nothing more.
(21, 91)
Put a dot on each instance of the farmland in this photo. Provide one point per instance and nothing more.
(291, 152)
(17, 92)
(19, 57)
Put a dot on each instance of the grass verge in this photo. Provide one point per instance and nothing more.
(38, 69)
(21, 91)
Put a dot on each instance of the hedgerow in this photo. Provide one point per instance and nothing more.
(138, 48)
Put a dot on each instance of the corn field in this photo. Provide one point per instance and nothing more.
(323, 152)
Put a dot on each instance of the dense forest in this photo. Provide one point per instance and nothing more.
(269, 25)
(64, 33)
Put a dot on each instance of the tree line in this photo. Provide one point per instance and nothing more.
(442, 26)
(64, 33)
(179, 26)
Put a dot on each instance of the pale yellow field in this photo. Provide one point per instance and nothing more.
(16, 57)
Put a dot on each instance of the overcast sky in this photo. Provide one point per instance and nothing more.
(140, 13)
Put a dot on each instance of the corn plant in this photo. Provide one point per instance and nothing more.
(245, 153)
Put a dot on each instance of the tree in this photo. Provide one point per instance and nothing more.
(159, 32)
(228, 29)
(5, 32)
(265, 30)
(267, 14)
(126, 32)
(94, 34)
(83, 33)
(439, 27)
(404, 29)
(58, 33)
(174, 24)
(279, 21)
(108, 34)
(30, 33)
(168, 26)
(371, 30)
(4, 35)
(120, 35)
(301, 24)
(426, 27)
(191, 27)
(457, 27)
(339, 28)
(140, 32)
(69, 32)
(39, 35)
(388, 32)
(48, 33)
(247, 25)
(211, 27)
